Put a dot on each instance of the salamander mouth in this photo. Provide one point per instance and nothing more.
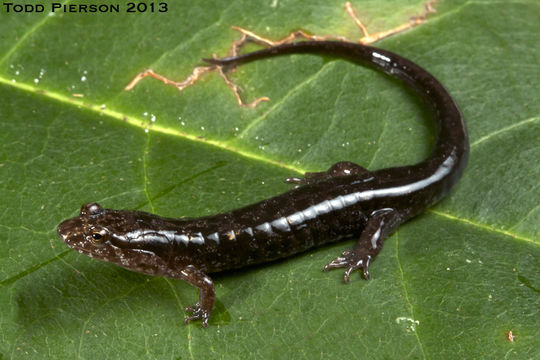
(89, 253)
(83, 247)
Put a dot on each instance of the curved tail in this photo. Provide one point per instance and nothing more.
(451, 150)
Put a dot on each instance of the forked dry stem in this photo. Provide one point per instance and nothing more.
(249, 36)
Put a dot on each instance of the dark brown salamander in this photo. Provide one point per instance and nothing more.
(345, 201)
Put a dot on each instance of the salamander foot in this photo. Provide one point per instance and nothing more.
(198, 313)
(351, 260)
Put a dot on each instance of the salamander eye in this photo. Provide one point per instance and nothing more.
(91, 209)
(98, 236)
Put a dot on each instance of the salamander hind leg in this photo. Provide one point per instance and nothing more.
(342, 168)
(381, 223)
(207, 295)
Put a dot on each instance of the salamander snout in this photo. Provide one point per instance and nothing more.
(69, 229)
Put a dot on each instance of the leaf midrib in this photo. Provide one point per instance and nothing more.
(139, 123)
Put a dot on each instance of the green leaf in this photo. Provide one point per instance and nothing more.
(449, 284)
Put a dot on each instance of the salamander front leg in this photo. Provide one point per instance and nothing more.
(342, 168)
(381, 223)
(207, 295)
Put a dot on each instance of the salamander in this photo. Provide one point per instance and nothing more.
(346, 201)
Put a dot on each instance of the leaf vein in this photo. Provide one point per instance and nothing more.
(503, 130)
(378, 148)
(146, 180)
(482, 226)
(27, 34)
(287, 96)
(406, 293)
(139, 123)
(333, 121)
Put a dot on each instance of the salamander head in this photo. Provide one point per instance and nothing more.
(123, 237)
(87, 233)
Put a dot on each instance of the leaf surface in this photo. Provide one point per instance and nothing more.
(448, 284)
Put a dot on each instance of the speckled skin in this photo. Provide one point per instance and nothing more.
(345, 201)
